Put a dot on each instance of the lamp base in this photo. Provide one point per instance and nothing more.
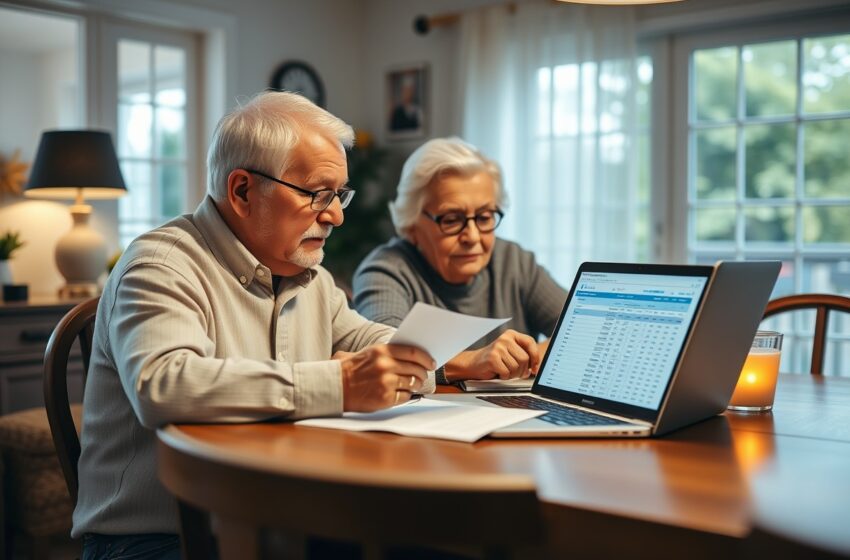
(78, 290)
(81, 256)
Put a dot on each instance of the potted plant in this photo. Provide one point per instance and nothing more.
(9, 243)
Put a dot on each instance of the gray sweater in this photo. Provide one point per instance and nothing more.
(395, 276)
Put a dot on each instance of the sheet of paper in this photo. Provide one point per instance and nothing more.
(442, 333)
(429, 418)
(497, 385)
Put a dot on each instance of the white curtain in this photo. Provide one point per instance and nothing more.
(549, 92)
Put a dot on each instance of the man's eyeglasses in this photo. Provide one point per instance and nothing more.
(452, 223)
(321, 198)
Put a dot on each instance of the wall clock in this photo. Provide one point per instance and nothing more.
(299, 77)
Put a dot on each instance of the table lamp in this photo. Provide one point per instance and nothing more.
(77, 164)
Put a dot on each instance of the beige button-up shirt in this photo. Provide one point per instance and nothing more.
(190, 329)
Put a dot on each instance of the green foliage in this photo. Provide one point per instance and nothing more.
(770, 162)
(9, 243)
(367, 221)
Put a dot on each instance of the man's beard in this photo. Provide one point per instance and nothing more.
(306, 258)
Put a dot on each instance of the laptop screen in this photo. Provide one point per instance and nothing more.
(619, 339)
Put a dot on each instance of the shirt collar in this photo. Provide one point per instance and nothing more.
(232, 254)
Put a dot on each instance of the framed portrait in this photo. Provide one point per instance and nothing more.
(406, 101)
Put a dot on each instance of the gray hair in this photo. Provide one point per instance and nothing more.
(433, 159)
(262, 134)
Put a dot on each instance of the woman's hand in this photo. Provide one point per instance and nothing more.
(511, 355)
(382, 375)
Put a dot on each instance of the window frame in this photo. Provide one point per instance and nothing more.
(111, 32)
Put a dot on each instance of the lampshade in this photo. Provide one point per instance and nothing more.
(70, 160)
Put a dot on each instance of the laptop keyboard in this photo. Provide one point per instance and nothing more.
(556, 414)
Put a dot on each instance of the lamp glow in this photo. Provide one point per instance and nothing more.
(77, 164)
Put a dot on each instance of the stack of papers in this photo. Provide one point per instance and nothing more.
(497, 385)
(429, 418)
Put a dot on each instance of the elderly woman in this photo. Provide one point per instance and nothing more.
(449, 203)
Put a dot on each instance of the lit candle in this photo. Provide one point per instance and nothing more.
(757, 384)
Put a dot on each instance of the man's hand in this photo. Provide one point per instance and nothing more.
(382, 375)
(511, 355)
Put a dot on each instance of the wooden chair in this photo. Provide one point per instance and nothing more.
(823, 303)
(489, 515)
(41, 447)
(78, 323)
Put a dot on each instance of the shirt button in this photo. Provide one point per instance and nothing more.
(260, 272)
(243, 279)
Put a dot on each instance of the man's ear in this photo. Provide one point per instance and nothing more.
(239, 183)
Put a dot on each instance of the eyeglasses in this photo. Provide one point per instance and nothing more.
(452, 223)
(321, 198)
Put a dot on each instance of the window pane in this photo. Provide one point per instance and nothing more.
(827, 165)
(826, 224)
(715, 78)
(137, 203)
(172, 182)
(544, 87)
(643, 94)
(826, 74)
(715, 164)
(170, 67)
(134, 71)
(614, 86)
(770, 78)
(170, 133)
(829, 277)
(134, 130)
(715, 224)
(565, 103)
(770, 160)
(768, 224)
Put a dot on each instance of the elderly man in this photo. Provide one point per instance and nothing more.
(224, 315)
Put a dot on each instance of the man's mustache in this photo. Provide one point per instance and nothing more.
(315, 232)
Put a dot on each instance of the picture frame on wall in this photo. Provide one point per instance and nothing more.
(406, 101)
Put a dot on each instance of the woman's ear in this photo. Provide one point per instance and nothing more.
(239, 183)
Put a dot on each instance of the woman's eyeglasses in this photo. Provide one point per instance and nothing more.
(452, 223)
(321, 198)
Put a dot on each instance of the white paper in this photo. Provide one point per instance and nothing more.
(441, 333)
(429, 418)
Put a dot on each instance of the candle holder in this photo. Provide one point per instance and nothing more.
(757, 384)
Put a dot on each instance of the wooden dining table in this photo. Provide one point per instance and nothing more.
(698, 491)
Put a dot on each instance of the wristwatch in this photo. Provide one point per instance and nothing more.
(440, 376)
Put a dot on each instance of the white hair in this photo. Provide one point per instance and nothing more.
(262, 134)
(432, 160)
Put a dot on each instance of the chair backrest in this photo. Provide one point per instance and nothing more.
(78, 323)
(493, 514)
(823, 303)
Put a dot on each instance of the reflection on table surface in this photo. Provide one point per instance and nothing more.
(703, 479)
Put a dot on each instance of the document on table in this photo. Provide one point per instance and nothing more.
(440, 332)
(429, 418)
(497, 385)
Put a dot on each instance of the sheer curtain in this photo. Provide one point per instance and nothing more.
(550, 92)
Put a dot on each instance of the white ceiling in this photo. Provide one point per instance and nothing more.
(35, 33)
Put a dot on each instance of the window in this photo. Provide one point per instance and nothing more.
(592, 123)
(768, 175)
(154, 116)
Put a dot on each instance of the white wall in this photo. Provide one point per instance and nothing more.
(27, 106)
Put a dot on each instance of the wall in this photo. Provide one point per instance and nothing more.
(260, 34)
(28, 105)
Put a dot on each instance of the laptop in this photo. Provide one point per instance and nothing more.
(640, 350)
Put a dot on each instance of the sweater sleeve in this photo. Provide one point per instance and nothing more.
(380, 294)
(544, 298)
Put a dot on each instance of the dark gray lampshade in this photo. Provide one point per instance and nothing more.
(70, 160)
